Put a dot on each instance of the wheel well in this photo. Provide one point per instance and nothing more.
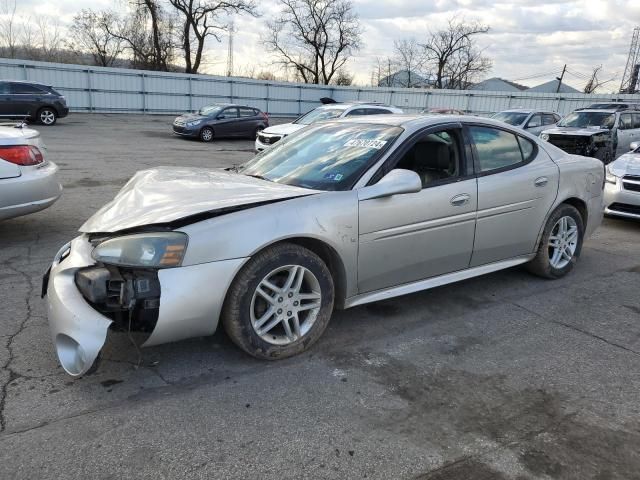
(333, 261)
(581, 206)
(55, 110)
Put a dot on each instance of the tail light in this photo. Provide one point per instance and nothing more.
(265, 116)
(24, 155)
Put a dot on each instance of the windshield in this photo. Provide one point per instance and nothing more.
(210, 110)
(588, 119)
(512, 118)
(319, 114)
(324, 157)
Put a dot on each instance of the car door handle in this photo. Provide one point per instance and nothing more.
(541, 181)
(460, 200)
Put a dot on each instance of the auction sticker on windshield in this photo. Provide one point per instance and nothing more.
(366, 143)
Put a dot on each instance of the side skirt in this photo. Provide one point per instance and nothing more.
(435, 281)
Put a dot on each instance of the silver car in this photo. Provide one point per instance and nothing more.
(533, 121)
(28, 181)
(622, 189)
(336, 215)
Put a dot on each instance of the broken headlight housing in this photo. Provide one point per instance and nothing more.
(145, 250)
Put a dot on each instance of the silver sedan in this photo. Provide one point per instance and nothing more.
(28, 181)
(622, 190)
(336, 215)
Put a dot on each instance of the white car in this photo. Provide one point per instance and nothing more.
(332, 111)
(28, 181)
(533, 121)
(622, 187)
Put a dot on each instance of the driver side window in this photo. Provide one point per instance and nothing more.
(435, 157)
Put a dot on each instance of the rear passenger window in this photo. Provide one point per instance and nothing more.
(247, 112)
(497, 149)
(22, 88)
(548, 119)
(636, 120)
(356, 112)
(378, 111)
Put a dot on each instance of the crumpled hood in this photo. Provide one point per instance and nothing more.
(584, 132)
(284, 129)
(627, 164)
(166, 194)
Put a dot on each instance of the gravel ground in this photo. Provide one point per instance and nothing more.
(501, 377)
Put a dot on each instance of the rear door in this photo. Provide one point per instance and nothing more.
(517, 185)
(227, 122)
(247, 122)
(25, 99)
(534, 126)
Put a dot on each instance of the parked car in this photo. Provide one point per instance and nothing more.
(533, 121)
(622, 188)
(28, 181)
(221, 120)
(332, 216)
(442, 111)
(600, 133)
(31, 100)
(329, 111)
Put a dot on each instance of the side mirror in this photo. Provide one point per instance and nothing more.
(396, 182)
(634, 145)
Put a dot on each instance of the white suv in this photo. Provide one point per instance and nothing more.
(271, 135)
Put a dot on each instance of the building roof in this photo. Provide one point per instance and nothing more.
(552, 87)
(497, 84)
(404, 78)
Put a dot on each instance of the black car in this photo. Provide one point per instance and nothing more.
(221, 120)
(32, 101)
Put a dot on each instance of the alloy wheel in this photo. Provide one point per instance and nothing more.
(563, 242)
(207, 135)
(47, 117)
(285, 304)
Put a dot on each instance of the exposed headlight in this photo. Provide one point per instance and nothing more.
(153, 250)
(193, 123)
(609, 176)
(544, 136)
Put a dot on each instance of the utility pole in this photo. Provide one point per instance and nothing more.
(560, 78)
(230, 51)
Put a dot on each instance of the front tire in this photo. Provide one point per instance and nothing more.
(280, 303)
(206, 134)
(560, 245)
(47, 116)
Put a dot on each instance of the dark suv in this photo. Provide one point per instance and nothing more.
(31, 100)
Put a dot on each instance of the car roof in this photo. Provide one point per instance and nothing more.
(28, 82)
(356, 104)
(597, 110)
(414, 121)
(526, 110)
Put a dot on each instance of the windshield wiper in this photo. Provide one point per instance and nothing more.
(259, 177)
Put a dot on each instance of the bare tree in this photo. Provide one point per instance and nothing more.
(385, 72)
(89, 33)
(201, 19)
(49, 34)
(453, 55)
(147, 34)
(343, 78)
(315, 37)
(8, 28)
(410, 60)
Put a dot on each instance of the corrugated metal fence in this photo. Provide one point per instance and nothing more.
(99, 89)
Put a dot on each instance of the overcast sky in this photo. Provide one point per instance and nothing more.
(528, 37)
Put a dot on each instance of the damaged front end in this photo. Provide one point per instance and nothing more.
(597, 144)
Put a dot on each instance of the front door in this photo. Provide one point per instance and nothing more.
(227, 122)
(410, 237)
(517, 185)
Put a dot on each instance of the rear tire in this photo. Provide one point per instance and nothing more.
(560, 244)
(280, 303)
(206, 134)
(47, 116)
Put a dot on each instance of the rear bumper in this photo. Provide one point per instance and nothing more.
(620, 202)
(79, 331)
(63, 112)
(35, 189)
